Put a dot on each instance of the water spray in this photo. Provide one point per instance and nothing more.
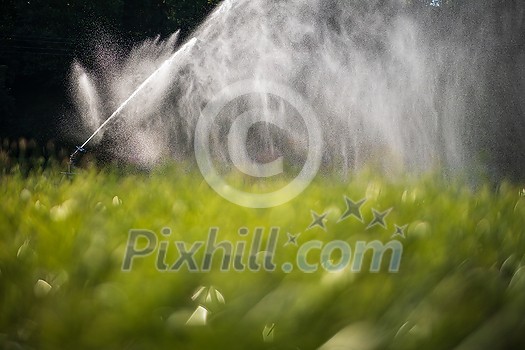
(81, 149)
(388, 91)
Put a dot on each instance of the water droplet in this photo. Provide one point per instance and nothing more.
(117, 201)
(198, 295)
(25, 252)
(42, 288)
(268, 333)
(199, 317)
(219, 296)
(23, 249)
(214, 296)
(508, 268)
(403, 330)
(62, 211)
(208, 297)
(517, 283)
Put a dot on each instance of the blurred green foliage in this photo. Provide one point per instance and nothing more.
(62, 242)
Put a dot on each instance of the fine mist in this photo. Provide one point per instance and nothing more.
(402, 87)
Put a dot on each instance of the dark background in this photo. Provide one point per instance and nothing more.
(40, 39)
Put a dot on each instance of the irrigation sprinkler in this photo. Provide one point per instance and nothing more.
(81, 149)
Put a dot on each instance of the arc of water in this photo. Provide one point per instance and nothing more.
(185, 48)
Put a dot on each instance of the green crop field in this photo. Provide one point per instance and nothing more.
(63, 243)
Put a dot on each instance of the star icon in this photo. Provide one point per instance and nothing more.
(319, 220)
(292, 239)
(352, 209)
(379, 218)
(400, 231)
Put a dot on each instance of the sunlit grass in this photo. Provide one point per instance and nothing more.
(461, 277)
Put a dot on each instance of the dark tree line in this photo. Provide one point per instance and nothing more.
(40, 38)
